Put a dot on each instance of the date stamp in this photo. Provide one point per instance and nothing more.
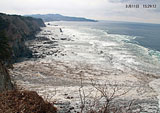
(147, 6)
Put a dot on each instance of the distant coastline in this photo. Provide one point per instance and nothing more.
(58, 17)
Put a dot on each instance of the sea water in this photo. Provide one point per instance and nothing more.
(120, 44)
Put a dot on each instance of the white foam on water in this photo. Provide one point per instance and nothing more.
(95, 45)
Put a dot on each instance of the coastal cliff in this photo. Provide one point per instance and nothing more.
(14, 31)
(18, 29)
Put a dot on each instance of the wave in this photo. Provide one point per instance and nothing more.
(120, 51)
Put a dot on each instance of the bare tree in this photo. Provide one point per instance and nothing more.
(109, 92)
(106, 98)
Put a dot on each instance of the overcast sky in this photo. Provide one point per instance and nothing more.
(94, 9)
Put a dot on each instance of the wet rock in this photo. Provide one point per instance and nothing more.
(71, 108)
(49, 42)
(63, 38)
(53, 38)
(60, 30)
(69, 97)
(101, 52)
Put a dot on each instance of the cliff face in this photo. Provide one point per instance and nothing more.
(14, 31)
(18, 29)
(5, 81)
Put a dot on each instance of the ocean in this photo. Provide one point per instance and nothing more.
(123, 44)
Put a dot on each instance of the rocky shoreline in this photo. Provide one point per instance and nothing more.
(59, 80)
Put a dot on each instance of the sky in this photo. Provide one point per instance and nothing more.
(94, 9)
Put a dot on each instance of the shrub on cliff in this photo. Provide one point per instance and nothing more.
(24, 102)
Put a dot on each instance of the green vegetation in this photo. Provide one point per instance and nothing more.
(3, 24)
(5, 51)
